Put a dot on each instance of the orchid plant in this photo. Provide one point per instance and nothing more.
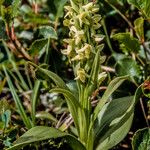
(109, 121)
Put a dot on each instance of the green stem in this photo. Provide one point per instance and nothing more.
(120, 13)
(107, 36)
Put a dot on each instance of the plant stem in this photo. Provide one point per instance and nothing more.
(144, 113)
(120, 13)
(107, 36)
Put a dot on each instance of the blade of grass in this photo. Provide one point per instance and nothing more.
(22, 112)
(28, 76)
(34, 100)
(11, 59)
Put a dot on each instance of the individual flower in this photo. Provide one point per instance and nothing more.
(88, 6)
(78, 57)
(78, 34)
(81, 75)
(86, 50)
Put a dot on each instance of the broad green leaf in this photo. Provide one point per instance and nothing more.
(72, 102)
(114, 109)
(114, 84)
(17, 100)
(128, 66)
(116, 131)
(143, 6)
(116, 124)
(111, 111)
(45, 115)
(139, 28)
(141, 139)
(41, 133)
(47, 32)
(118, 135)
(127, 43)
(37, 46)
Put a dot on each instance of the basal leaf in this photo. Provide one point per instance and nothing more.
(114, 109)
(141, 139)
(127, 42)
(116, 136)
(40, 133)
(108, 120)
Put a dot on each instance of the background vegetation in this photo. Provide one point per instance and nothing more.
(32, 36)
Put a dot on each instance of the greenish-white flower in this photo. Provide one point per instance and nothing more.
(81, 75)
